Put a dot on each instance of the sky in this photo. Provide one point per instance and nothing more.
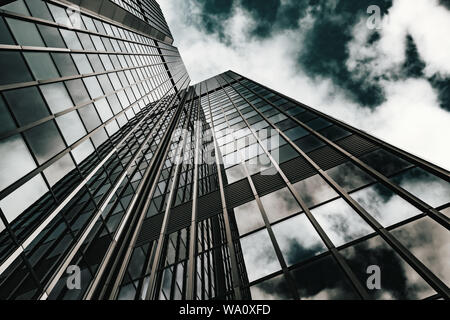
(383, 69)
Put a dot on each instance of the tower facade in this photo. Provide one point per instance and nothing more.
(121, 180)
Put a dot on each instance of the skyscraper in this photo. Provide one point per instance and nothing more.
(120, 180)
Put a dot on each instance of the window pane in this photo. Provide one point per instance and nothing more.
(309, 143)
(39, 9)
(82, 63)
(59, 14)
(41, 65)
(385, 162)
(5, 36)
(334, 133)
(248, 217)
(13, 68)
(427, 187)
(59, 169)
(275, 288)
(89, 117)
(280, 204)
(296, 133)
(349, 176)
(77, 91)
(51, 36)
(235, 173)
(23, 197)
(65, 64)
(93, 87)
(25, 33)
(17, 6)
(56, 96)
(323, 280)
(71, 127)
(261, 164)
(6, 121)
(259, 255)
(15, 161)
(27, 104)
(71, 39)
(384, 205)
(298, 240)
(318, 123)
(314, 190)
(86, 41)
(103, 109)
(82, 151)
(398, 279)
(429, 242)
(340, 222)
(45, 141)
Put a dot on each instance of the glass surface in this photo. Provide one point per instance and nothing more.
(103, 109)
(323, 280)
(51, 36)
(71, 39)
(261, 164)
(280, 204)
(15, 162)
(275, 288)
(430, 243)
(71, 127)
(298, 240)
(89, 116)
(13, 68)
(56, 96)
(5, 35)
(309, 143)
(41, 65)
(248, 217)
(340, 222)
(45, 141)
(235, 173)
(398, 279)
(27, 104)
(65, 64)
(424, 185)
(284, 153)
(95, 62)
(26, 33)
(314, 190)
(86, 41)
(23, 197)
(385, 162)
(59, 14)
(17, 6)
(77, 91)
(296, 133)
(82, 151)
(39, 9)
(318, 123)
(259, 255)
(384, 205)
(93, 87)
(59, 170)
(334, 133)
(349, 176)
(82, 63)
(6, 121)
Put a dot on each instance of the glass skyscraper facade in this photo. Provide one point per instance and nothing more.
(112, 162)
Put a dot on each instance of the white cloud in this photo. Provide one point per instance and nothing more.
(410, 118)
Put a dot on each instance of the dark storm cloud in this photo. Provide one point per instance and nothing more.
(414, 65)
(214, 12)
(442, 85)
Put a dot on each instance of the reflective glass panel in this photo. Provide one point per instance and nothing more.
(259, 255)
(13, 68)
(15, 162)
(45, 141)
(59, 169)
(235, 173)
(82, 63)
(429, 242)
(309, 143)
(298, 240)
(334, 133)
(248, 217)
(384, 205)
(82, 151)
(103, 109)
(275, 288)
(6, 121)
(323, 280)
(280, 204)
(385, 162)
(41, 65)
(56, 96)
(51, 36)
(93, 87)
(77, 91)
(65, 64)
(424, 185)
(19, 200)
(25, 33)
(261, 164)
(340, 222)
(71, 39)
(314, 190)
(398, 280)
(349, 176)
(89, 116)
(5, 36)
(71, 127)
(27, 104)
